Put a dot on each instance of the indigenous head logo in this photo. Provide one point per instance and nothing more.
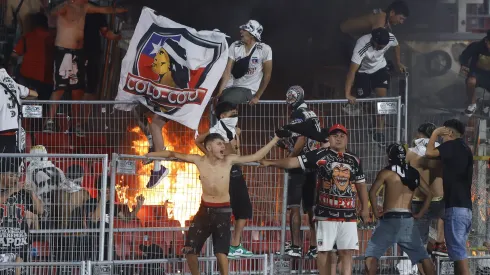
(341, 175)
(169, 68)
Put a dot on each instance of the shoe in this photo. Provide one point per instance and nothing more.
(49, 126)
(312, 253)
(440, 250)
(352, 109)
(287, 245)
(157, 177)
(78, 131)
(379, 139)
(470, 110)
(294, 251)
(239, 251)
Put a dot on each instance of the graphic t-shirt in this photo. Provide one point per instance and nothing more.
(336, 193)
(13, 228)
(9, 110)
(251, 80)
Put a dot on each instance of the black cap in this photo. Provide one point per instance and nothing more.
(381, 36)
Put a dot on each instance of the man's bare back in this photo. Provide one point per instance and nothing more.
(70, 24)
(430, 172)
(397, 195)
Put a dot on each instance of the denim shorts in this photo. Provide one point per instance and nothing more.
(400, 230)
(457, 226)
(436, 211)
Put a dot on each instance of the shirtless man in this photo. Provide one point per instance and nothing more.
(69, 57)
(227, 115)
(430, 173)
(214, 215)
(396, 221)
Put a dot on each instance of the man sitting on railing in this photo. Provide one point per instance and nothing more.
(368, 70)
(214, 215)
(396, 222)
(241, 205)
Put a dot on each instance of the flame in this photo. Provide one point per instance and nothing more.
(181, 188)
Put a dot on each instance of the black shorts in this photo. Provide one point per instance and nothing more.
(69, 69)
(301, 188)
(8, 144)
(239, 198)
(482, 78)
(214, 221)
(366, 83)
(92, 74)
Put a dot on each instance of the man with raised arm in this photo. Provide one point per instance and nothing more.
(214, 215)
(69, 56)
(335, 209)
(396, 222)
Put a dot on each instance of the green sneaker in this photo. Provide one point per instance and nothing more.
(239, 251)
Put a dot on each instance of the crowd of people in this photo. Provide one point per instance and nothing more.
(428, 182)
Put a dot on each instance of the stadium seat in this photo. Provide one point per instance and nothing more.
(55, 143)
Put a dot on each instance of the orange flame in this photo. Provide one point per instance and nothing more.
(181, 188)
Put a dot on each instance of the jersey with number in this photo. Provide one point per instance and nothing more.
(9, 108)
(370, 59)
(251, 80)
(300, 115)
(336, 193)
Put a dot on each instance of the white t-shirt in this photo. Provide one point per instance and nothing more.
(9, 111)
(251, 80)
(369, 58)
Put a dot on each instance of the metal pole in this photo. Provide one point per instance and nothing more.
(265, 263)
(112, 194)
(480, 203)
(405, 131)
(399, 120)
(102, 209)
(284, 212)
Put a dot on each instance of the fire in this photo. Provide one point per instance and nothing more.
(181, 188)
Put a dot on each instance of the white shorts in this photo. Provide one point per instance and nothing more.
(343, 234)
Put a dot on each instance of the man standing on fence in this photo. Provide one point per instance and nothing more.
(11, 112)
(457, 175)
(69, 56)
(335, 208)
(301, 184)
(431, 173)
(241, 205)
(214, 215)
(396, 222)
(369, 70)
(249, 67)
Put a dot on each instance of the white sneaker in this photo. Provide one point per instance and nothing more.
(470, 110)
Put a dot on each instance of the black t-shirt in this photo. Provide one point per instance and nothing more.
(13, 228)
(92, 41)
(457, 173)
(336, 194)
(300, 115)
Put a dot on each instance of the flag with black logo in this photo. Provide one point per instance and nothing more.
(172, 69)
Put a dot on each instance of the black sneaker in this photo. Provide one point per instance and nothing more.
(49, 127)
(312, 253)
(470, 110)
(379, 138)
(294, 251)
(287, 246)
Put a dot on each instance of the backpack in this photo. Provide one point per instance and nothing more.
(240, 68)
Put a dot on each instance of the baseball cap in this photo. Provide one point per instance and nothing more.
(381, 36)
(337, 127)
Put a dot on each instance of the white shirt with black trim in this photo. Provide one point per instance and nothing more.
(370, 59)
(9, 111)
(251, 80)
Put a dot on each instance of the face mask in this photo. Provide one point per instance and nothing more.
(230, 122)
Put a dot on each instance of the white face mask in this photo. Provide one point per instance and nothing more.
(230, 122)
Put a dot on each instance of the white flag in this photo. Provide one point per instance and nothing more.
(171, 69)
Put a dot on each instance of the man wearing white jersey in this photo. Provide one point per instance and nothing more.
(249, 67)
(368, 72)
(10, 111)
